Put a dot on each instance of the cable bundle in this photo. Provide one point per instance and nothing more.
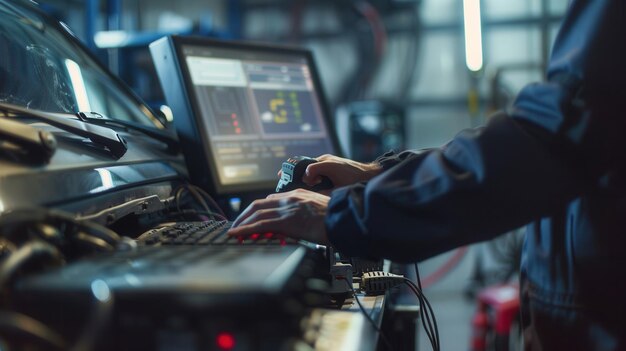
(201, 197)
(376, 283)
(426, 314)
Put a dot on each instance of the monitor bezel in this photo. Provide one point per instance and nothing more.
(270, 48)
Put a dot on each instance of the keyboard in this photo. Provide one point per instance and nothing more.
(206, 233)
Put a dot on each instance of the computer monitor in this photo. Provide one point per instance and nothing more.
(241, 109)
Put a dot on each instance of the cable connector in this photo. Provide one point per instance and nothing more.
(377, 283)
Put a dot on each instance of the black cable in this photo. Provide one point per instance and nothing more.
(423, 315)
(210, 199)
(199, 199)
(63, 225)
(426, 321)
(20, 325)
(429, 321)
(369, 318)
(178, 193)
(99, 232)
(417, 277)
(429, 315)
(92, 241)
(31, 252)
(52, 231)
(419, 286)
(199, 196)
(379, 282)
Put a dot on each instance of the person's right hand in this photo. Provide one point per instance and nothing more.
(341, 171)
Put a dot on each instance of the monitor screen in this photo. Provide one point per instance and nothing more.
(256, 107)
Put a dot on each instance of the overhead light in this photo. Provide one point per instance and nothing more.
(111, 39)
(473, 35)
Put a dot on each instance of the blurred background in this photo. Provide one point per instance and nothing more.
(398, 74)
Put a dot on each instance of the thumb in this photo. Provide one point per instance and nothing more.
(315, 170)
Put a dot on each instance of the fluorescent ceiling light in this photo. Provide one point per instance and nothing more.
(473, 35)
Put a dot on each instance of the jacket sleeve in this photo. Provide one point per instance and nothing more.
(559, 139)
(392, 158)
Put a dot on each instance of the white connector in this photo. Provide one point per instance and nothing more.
(377, 283)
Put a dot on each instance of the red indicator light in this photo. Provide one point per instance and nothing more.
(225, 341)
(283, 242)
(268, 235)
(240, 239)
(233, 116)
(255, 236)
(235, 123)
(238, 130)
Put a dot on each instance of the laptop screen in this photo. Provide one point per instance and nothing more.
(254, 106)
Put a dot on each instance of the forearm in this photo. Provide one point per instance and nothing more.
(482, 184)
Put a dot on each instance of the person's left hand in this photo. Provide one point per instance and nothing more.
(299, 214)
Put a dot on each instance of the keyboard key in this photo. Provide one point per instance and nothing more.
(207, 233)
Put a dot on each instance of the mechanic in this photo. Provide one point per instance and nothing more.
(556, 161)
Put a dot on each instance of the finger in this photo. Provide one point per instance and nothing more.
(324, 157)
(256, 205)
(315, 171)
(264, 226)
(261, 215)
(292, 195)
(277, 195)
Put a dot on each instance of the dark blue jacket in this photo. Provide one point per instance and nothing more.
(557, 160)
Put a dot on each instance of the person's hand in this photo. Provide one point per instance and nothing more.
(341, 171)
(299, 214)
